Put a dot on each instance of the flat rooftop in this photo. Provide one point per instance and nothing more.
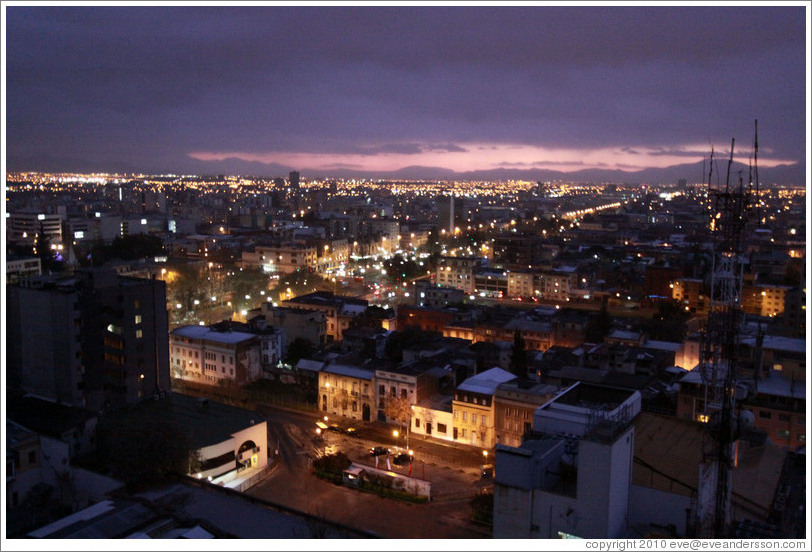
(206, 422)
(593, 395)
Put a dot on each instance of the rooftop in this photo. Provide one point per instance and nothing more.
(204, 421)
(43, 416)
(486, 382)
(203, 332)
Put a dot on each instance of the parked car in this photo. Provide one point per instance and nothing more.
(402, 459)
(487, 471)
(337, 428)
(378, 451)
(353, 432)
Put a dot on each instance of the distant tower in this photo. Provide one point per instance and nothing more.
(294, 181)
(451, 215)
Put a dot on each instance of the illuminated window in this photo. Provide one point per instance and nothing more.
(139, 334)
(137, 318)
(703, 418)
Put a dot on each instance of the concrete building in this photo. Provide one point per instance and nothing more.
(203, 355)
(690, 294)
(22, 268)
(514, 404)
(281, 257)
(473, 409)
(24, 227)
(458, 272)
(576, 477)
(776, 405)
(339, 310)
(89, 340)
(347, 391)
(297, 323)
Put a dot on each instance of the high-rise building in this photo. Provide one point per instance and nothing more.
(294, 181)
(91, 340)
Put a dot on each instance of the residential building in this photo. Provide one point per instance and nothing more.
(297, 323)
(776, 404)
(346, 390)
(91, 340)
(339, 310)
(690, 294)
(458, 272)
(473, 410)
(22, 268)
(204, 355)
(514, 403)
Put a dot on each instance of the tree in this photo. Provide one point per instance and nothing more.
(298, 349)
(518, 356)
(399, 409)
(372, 317)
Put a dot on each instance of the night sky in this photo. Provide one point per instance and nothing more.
(372, 89)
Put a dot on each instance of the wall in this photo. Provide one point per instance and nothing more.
(652, 506)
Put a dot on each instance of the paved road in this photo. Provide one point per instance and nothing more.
(293, 486)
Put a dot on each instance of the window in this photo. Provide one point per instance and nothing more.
(382, 390)
(417, 422)
(139, 334)
(464, 417)
(484, 420)
(456, 412)
(783, 434)
(764, 414)
(473, 418)
(783, 417)
(464, 433)
(442, 428)
(137, 318)
(403, 394)
(393, 391)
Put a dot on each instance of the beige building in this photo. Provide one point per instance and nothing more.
(458, 272)
(346, 391)
(281, 258)
(520, 284)
(514, 404)
(473, 409)
(202, 355)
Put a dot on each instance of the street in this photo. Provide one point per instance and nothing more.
(453, 471)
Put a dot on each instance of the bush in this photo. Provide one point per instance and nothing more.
(332, 463)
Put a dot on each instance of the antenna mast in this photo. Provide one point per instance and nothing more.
(718, 364)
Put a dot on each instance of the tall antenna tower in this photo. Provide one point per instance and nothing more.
(729, 209)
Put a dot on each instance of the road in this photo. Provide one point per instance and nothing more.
(453, 471)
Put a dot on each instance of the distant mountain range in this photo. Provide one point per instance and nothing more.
(789, 175)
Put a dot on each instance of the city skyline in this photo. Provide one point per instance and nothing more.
(380, 90)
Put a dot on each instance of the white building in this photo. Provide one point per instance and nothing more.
(575, 478)
(200, 354)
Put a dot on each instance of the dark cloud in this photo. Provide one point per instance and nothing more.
(140, 84)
